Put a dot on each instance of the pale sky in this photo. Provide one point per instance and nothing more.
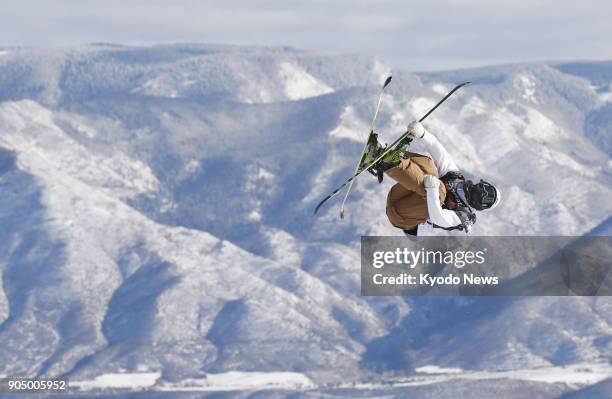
(417, 35)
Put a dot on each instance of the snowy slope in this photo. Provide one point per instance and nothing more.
(121, 283)
(157, 201)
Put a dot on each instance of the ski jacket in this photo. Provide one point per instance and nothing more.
(436, 151)
(454, 213)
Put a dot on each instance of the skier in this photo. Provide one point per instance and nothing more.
(418, 196)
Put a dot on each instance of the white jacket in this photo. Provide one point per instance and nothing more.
(444, 164)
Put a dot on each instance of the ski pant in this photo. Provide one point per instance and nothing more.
(407, 200)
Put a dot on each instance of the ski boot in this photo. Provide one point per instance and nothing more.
(390, 160)
(372, 152)
(398, 153)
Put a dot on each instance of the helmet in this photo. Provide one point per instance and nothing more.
(482, 195)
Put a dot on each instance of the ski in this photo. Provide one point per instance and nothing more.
(365, 145)
(388, 148)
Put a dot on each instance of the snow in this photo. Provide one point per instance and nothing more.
(192, 165)
(540, 128)
(420, 105)
(380, 71)
(254, 216)
(265, 174)
(259, 181)
(606, 97)
(320, 183)
(133, 381)
(440, 89)
(299, 84)
(227, 381)
(285, 248)
(160, 86)
(474, 107)
(574, 375)
(526, 85)
(97, 227)
(351, 127)
(432, 369)
(261, 96)
(603, 92)
(28, 126)
(242, 381)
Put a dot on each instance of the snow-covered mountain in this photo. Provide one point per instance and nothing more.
(156, 206)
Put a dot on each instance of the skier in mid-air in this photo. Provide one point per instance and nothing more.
(418, 197)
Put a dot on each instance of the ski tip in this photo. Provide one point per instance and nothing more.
(320, 204)
(387, 81)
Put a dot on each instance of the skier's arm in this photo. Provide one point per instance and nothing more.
(442, 159)
(437, 215)
(444, 162)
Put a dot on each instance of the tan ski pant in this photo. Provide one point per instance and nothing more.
(407, 200)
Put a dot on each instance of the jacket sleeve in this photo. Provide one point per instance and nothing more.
(437, 215)
(442, 159)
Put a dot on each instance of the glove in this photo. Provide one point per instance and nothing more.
(416, 130)
(431, 182)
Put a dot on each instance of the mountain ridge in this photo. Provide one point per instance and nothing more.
(158, 214)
